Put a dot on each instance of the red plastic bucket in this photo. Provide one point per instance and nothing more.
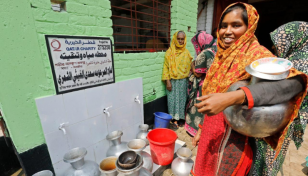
(162, 142)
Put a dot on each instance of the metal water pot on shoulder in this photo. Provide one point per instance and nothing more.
(262, 121)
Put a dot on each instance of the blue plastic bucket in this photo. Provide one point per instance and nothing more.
(161, 120)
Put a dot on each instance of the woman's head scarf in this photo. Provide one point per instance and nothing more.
(205, 47)
(229, 64)
(202, 41)
(177, 60)
(291, 42)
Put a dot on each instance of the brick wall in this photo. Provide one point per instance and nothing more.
(184, 15)
(83, 18)
(92, 18)
(27, 23)
(149, 65)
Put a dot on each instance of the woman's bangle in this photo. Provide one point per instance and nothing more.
(244, 100)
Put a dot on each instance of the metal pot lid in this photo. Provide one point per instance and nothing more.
(266, 76)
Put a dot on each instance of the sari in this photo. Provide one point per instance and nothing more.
(222, 151)
(205, 48)
(176, 69)
(177, 60)
(291, 42)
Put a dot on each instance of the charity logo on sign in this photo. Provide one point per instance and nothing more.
(56, 45)
(80, 62)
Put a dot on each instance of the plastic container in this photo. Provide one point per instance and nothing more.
(162, 142)
(161, 120)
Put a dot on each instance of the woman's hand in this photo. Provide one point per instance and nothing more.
(192, 65)
(196, 138)
(215, 103)
(169, 86)
(198, 75)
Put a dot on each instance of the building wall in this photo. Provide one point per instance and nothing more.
(209, 15)
(202, 19)
(206, 18)
(23, 74)
(25, 69)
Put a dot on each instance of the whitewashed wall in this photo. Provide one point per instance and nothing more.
(209, 15)
(206, 18)
(202, 19)
(88, 125)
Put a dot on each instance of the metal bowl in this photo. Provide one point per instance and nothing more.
(184, 153)
(127, 171)
(136, 145)
(108, 166)
(271, 62)
(128, 159)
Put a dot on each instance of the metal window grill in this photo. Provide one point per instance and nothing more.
(141, 25)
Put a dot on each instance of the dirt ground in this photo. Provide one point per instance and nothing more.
(294, 165)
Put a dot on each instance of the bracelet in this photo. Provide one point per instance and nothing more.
(244, 97)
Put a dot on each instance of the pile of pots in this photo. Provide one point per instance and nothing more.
(128, 158)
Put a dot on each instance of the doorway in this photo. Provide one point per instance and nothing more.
(9, 163)
(274, 13)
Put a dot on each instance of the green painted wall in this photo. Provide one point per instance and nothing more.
(25, 69)
(149, 65)
(22, 74)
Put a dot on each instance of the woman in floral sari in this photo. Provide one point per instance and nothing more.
(205, 48)
(223, 151)
(175, 72)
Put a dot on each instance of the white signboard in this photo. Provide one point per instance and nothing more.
(80, 62)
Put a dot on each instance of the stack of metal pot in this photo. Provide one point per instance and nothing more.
(138, 145)
(136, 170)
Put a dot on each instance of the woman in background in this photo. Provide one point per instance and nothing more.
(175, 72)
(205, 48)
(290, 42)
